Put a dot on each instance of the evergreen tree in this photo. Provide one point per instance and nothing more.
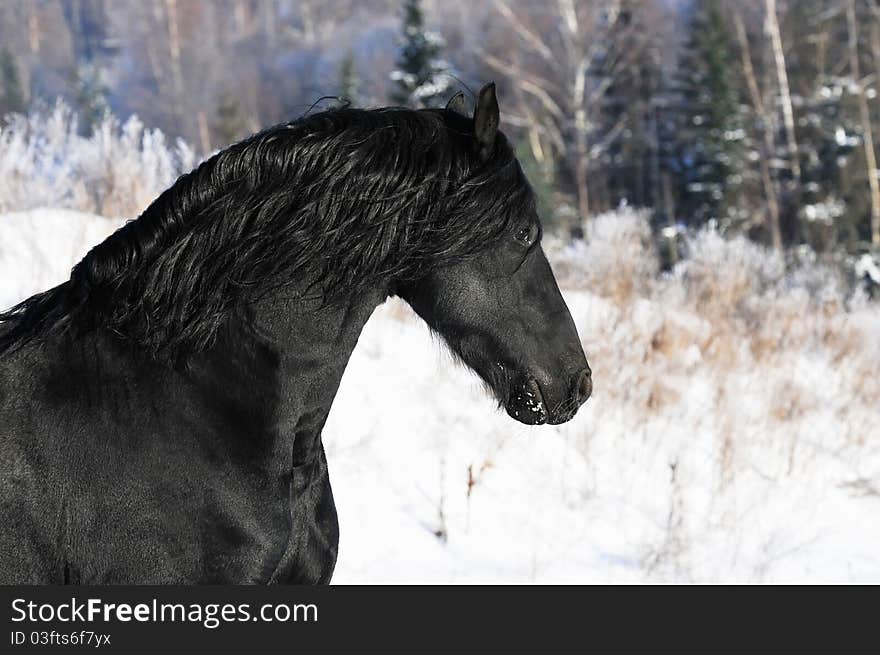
(541, 178)
(833, 200)
(90, 96)
(11, 97)
(711, 136)
(229, 125)
(420, 79)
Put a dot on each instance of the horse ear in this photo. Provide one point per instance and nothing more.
(486, 119)
(456, 104)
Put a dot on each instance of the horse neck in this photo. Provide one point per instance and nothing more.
(312, 344)
(262, 393)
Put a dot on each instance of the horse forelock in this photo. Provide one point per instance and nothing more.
(344, 199)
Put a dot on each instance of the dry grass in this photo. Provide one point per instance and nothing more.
(774, 344)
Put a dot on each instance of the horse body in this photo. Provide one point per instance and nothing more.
(243, 493)
(161, 412)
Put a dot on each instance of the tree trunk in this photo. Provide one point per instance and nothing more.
(582, 168)
(34, 31)
(770, 191)
(204, 133)
(153, 22)
(875, 51)
(865, 117)
(669, 206)
(174, 52)
(784, 89)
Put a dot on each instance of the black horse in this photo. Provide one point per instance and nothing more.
(161, 411)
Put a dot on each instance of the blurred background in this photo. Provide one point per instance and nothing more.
(707, 175)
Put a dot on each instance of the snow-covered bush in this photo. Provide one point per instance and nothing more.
(617, 259)
(733, 421)
(117, 170)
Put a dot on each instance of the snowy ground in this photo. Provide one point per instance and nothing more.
(595, 500)
(732, 435)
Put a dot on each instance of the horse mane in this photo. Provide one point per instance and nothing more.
(339, 200)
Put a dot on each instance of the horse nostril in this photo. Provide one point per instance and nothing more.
(585, 386)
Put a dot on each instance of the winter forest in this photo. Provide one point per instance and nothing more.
(758, 116)
(707, 176)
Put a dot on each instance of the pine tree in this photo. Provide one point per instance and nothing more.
(541, 179)
(711, 136)
(11, 97)
(229, 125)
(420, 78)
(90, 95)
(833, 199)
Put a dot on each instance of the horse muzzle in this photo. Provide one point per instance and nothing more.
(535, 404)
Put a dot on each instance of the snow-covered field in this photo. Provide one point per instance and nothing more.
(733, 434)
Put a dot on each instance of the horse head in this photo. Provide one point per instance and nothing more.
(500, 309)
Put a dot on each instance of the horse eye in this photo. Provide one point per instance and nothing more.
(525, 235)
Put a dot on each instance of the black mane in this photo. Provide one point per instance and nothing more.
(339, 199)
